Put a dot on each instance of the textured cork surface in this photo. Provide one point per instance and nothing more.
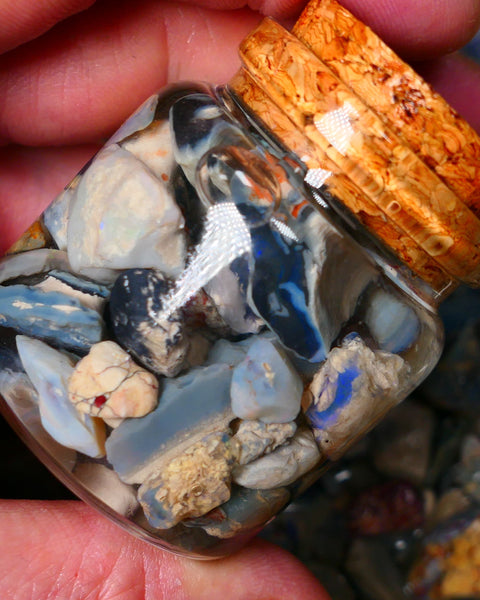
(390, 187)
(339, 184)
(446, 142)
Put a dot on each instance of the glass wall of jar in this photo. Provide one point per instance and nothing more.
(193, 330)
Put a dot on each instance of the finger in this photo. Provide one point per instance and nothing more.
(420, 29)
(79, 82)
(24, 20)
(278, 9)
(64, 550)
(458, 79)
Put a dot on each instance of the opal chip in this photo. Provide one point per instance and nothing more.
(265, 385)
(51, 316)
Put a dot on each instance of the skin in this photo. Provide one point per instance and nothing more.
(71, 71)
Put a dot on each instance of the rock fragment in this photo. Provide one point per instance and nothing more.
(281, 467)
(190, 485)
(256, 438)
(54, 316)
(265, 385)
(157, 342)
(247, 511)
(108, 384)
(49, 371)
(122, 217)
(355, 385)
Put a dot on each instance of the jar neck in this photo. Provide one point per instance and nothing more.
(332, 208)
(351, 154)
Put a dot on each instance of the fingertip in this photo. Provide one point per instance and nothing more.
(420, 30)
(457, 78)
(259, 571)
(23, 20)
(66, 550)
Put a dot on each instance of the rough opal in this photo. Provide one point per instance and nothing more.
(107, 383)
(49, 371)
(122, 216)
(199, 335)
(51, 316)
(265, 385)
(135, 307)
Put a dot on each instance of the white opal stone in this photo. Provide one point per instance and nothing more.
(344, 274)
(35, 261)
(281, 467)
(107, 486)
(224, 290)
(22, 398)
(393, 324)
(140, 119)
(154, 149)
(124, 217)
(107, 383)
(265, 385)
(55, 216)
(49, 371)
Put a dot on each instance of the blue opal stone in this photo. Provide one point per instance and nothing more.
(51, 316)
(280, 294)
(343, 393)
(188, 404)
(135, 303)
(190, 407)
(265, 385)
(158, 514)
(247, 510)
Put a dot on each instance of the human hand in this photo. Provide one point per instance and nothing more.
(66, 83)
(64, 92)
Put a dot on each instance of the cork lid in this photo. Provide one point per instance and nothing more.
(374, 133)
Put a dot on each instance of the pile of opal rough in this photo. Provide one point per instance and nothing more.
(185, 327)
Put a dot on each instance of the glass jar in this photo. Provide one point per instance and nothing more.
(212, 311)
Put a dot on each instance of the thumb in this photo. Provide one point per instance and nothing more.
(60, 550)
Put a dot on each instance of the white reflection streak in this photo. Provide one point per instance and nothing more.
(337, 128)
(226, 237)
(284, 229)
(317, 177)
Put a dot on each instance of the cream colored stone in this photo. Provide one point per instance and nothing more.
(255, 438)
(122, 217)
(154, 148)
(107, 486)
(191, 485)
(107, 383)
(281, 467)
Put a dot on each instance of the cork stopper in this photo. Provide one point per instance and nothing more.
(373, 133)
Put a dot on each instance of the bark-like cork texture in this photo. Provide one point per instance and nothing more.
(339, 185)
(420, 116)
(397, 184)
